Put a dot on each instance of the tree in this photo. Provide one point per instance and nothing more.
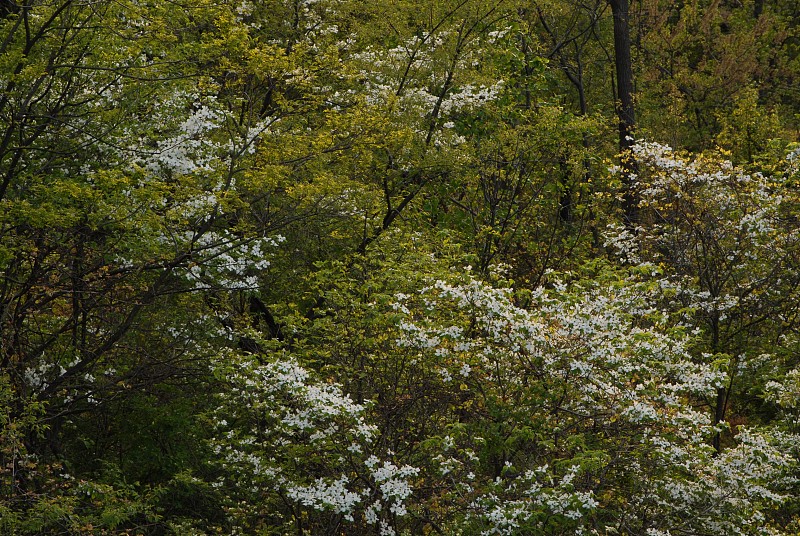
(288, 268)
(578, 414)
(721, 238)
(698, 59)
(623, 66)
(122, 223)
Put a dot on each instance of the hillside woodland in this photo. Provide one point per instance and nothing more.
(439, 267)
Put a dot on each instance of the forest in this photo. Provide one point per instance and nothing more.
(400, 267)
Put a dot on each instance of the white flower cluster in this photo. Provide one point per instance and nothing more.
(722, 203)
(192, 135)
(221, 260)
(613, 370)
(727, 493)
(623, 243)
(322, 495)
(591, 339)
(434, 92)
(510, 512)
(470, 96)
(393, 483)
(341, 496)
(703, 301)
(191, 149)
(785, 393)
(244, 9)
(793, 161)
(40, 376)
(275, 410)
(315, 407)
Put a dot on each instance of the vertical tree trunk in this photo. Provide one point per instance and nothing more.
(719, 416)
(625, 108)
(722, 392)
(758, 8)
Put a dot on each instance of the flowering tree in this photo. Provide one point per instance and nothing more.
(580, 416)
(725, 251)
(237, 294)
(297, 455)
(126, 208)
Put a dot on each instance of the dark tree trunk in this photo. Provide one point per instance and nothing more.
(625, 108)
(719, 416)
(758, 8)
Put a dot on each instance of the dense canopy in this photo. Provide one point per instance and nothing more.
(349, 267)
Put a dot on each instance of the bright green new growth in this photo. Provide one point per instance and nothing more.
(344, 267)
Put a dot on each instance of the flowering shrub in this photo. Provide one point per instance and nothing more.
(298, 452)
(600, 391)
(721, 243)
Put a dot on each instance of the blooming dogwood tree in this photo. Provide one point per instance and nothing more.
(300, 454)
(724, 248)
(593, 391)
(286, 267)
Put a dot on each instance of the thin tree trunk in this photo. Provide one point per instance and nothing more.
(625, 107)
